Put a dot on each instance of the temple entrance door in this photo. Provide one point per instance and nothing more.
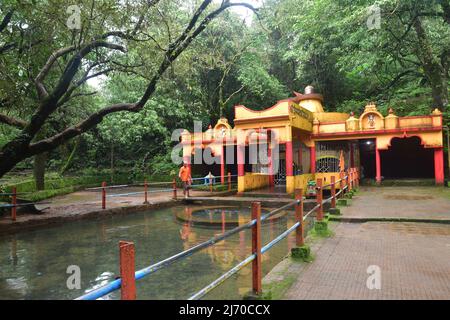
(367, 158)
(407, 158)
(280, 177)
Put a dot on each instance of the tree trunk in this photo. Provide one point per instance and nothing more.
(112, 161)
(434, 71)
(70, 158)
(40, 162)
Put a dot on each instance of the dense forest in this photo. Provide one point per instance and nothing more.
(100, 86)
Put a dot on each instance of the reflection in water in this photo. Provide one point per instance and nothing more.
(33, 264)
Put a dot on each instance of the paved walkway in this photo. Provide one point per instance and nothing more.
(400, 202)
(414, 258)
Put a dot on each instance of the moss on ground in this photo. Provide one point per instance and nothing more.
(302, 254)
(276, 290)
(321, 230)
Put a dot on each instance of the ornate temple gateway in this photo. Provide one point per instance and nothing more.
(295, 141)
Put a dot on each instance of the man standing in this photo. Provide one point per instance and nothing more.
(185, 176)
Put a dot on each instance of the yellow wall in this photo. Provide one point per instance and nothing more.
(281, 108)
(301, 181)
(331, 117)
(312, 105)
(327, 177)
(252, 181)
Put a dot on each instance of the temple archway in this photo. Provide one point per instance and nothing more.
(407, 158)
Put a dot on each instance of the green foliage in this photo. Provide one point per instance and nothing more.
(292, 44)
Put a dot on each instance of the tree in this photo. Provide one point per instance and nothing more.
(90, 52)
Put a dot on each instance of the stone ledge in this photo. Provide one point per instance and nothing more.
(52, 219)
(387, 219)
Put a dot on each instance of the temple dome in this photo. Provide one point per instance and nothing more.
(311, 100)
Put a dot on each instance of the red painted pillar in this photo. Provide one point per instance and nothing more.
(313, 159)
(145, 192)
(300, 158)
(299, 239)
(333, 191)
(439, 165)
(378, 164)
(289, 159)
(127, 271)
(256, 249)
(319, 199)
(352, 155)
(174, 187)
(103, 195)
(271, 177)
(241, 160)
(222, 166)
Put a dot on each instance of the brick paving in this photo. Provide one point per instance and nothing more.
(414, 258)
(403, 202)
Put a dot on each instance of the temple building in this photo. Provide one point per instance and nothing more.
(298, 141)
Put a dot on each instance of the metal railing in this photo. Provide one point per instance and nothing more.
(104, 188)
(128, 275)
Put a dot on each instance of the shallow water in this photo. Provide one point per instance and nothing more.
(33, 264)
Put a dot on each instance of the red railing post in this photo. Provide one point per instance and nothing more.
(347, 181)
(352, 178)
(127, 271)
(145, 192)
(174, 187)
(357, 178)
(14, 204)
(333, 191)
(341, 183)
(319, 199)
(256, 248)
(299, 239)
(103, 195)
(229, 181)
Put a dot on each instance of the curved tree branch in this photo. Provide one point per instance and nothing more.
(6, 20)
(18, 123)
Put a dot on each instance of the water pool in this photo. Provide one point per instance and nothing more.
(33, 264)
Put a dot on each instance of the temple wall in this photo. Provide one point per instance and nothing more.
(429, 139)
(252, 181)
(327, 178)
(301, 181)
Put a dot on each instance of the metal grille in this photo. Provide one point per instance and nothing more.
(280, 177)
(328, 154)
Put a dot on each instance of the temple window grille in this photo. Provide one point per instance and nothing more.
(328, 156)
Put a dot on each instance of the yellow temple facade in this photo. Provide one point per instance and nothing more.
(303, 142)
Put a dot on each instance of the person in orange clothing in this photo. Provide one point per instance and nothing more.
(185, 176)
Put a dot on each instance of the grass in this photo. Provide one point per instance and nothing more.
(216, 187)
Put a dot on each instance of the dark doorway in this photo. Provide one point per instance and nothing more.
(368, 158)
(407, 158)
